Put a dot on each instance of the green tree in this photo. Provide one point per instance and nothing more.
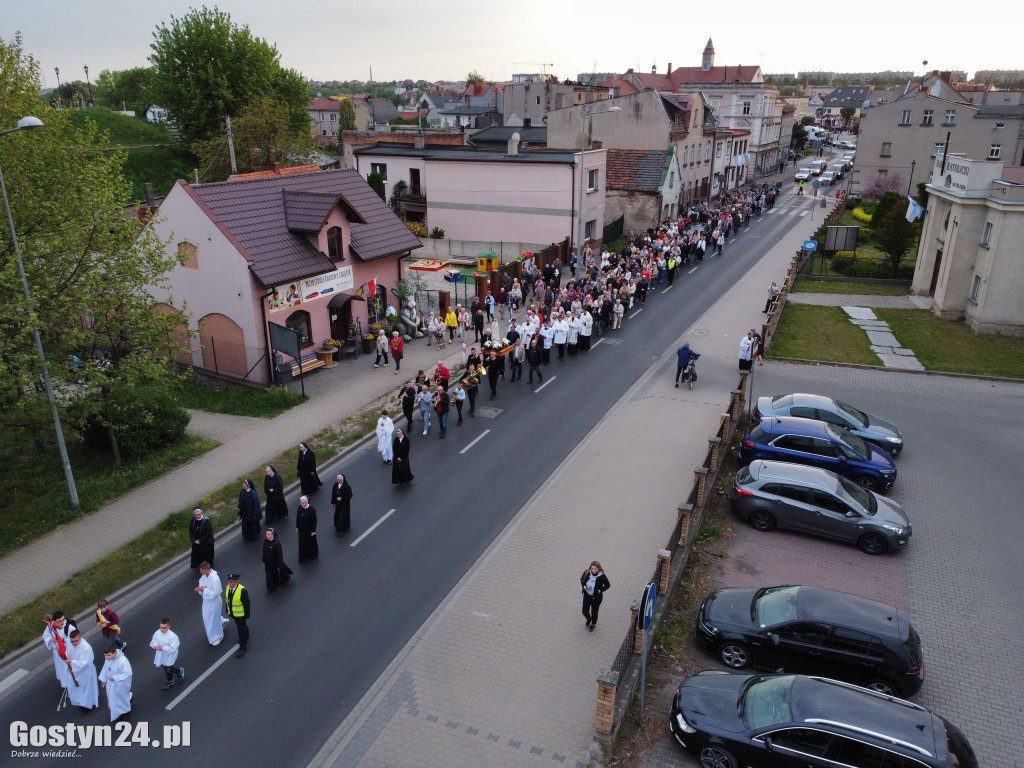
(894, 235)
(799, 136)
(206, 67)
(128, 87)
(889, 200)
(474, 78)
(261, 134)
(847, 114)
(346, 116)
(91, 264)
(376, 182)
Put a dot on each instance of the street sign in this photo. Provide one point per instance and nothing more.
(643, 619)
(816, 184)
(810, 245)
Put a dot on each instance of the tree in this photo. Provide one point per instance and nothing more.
(346, 116)
(397, 192)
(799, 136)
(474, 78)
(878, 185)
(887, 202)
(377, 184)
(89, 260)
(128, 87)
(261, 134)
(847, 114)
(894, 235)
(206, 67)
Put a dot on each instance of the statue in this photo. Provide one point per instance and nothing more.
(408, 323)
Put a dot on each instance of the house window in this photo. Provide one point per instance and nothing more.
(188, 254)
(299, 322)
(696, 116)
(538, 101)
(999, 126)
(928, 115)
(592, 180)
(589, 228)
(995, 151)
(905, 118)
(686, 156)
(381, 168)
(323, 131)
(718, 151)
(938, 149)
(950, 117)
(975, 289)
(334, 117)
(746, 107)
(321, 117)
(334, 251)
(707, 151)
(882, 173)
(987, 239)
(886, 149)
(377, 305)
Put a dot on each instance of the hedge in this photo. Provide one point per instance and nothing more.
(861, 215)
(848, 266)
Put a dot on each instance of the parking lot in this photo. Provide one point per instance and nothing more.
(959, 579)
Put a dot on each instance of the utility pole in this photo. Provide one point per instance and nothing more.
(231, 146)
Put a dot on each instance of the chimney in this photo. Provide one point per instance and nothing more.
(947, 76)
(269, 166)
(807, 82)
(419, 142)
(668, 70)
(513, 144)
(150, 199)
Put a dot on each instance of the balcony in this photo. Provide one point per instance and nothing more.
(414, 198)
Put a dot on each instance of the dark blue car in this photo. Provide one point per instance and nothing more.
(819, 444)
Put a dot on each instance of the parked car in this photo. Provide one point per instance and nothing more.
(827, 178)
(795, 721)
(803, 174)
(882, 433)
(819, 444)
(844, 144)
(814, 631)
(817, 167)
(794, 497)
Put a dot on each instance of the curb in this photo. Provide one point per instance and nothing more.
(864, 366)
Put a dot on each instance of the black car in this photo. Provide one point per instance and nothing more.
(793, 721)
(812, 630)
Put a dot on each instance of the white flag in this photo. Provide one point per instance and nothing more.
(914, 210)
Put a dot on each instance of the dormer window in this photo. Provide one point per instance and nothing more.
(334, 251)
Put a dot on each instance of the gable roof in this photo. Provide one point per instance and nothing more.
(848, 96)
(682, 76)
(636, 170)
(383, 110)
(324, 105)
(622, 87)
(267, 219)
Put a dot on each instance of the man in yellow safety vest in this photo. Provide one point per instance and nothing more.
(236, 600)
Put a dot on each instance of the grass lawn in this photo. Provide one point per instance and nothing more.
(949, 345)
(821, 333)
(616, 245)
(35, 500)
(239, 401)
(810, 285)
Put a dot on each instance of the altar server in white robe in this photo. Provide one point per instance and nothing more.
(385, 434)
(213, 598)
(166, 645)
(83, 663)
(57, 637)
(116, 677)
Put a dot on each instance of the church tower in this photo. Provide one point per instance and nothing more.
(708, 60)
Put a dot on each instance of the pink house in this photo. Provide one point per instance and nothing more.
(291, 249)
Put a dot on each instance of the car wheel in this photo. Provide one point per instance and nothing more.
(762, 520)
(734, 655)
(868, 482)
(881, 686)
(873, 543)
(714, 756)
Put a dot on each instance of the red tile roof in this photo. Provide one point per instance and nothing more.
(622, 87)
(324, 105)
(635, 170)
(683, 76)
(276, 172)
(477, 89)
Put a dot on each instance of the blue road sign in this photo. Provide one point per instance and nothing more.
(810, 245)
(647, 605)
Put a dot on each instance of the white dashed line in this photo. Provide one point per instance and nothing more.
(552, 378)
(202, 677)
(670, 287)
(635, 313)
(478, 439)
(693, 270)
(369, 530)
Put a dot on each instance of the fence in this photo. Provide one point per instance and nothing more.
(617, 685)
(446, 248)
(231, 360)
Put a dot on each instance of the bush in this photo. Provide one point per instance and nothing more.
(844, 264)
(437, 233)
(861, 215)
(146, 419)
(418, 229)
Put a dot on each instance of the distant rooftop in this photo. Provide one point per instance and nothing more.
(470, 154)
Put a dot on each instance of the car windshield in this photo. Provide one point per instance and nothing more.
(765, 701)
(857, 496)
(782, 401)
(743, 476)
(842, 436)
(774, 606)
(857, 417)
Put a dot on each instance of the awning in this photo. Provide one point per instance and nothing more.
(340, 299)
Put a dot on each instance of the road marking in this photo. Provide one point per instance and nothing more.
(635, 314)
(792, 213)
(670, 287)
(804, 213)
(369, 530)
(478, 439)
(693, 270)
(13, 678)
(481, 614)
(202, 677)
(552, 378)
(600, 340)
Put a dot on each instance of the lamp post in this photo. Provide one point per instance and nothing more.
(911, 182)
(579, 209)
(57, 72)
(34, 124)
(86, 68)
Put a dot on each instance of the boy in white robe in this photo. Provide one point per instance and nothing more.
(57, 640)
(116, 677)
(166, 645)
(212, 593)
(385, 434)
(86, 694)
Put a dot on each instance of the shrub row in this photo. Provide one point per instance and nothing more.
(869, 268)
(861, 215)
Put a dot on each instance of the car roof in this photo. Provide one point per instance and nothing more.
(813, 401)
(834, 607)
(814, 477)
(815, 699)
(793, 425)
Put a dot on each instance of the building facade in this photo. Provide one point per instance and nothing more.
(528, 103)
(643, 187)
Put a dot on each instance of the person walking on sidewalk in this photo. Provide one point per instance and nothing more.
(274, 567)
(273, 489)
(442, 403)
(773, 295)
(385, 432)
(249, 511)
(341, 498)
(200, 532)
(757, 351)
(110, 624)
(424, 401)
(594, 584)
(305, 527)
(209, 590)
(397, 349)
(305, 467)
(383, 346)
(401, 472)
(407, 396)
(451, 322)
(236, 600)
(166, 645)
(746, 351)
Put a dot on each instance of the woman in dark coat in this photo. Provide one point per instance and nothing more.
(200, 533)
(273, 562)
(249, 511)
(594, 584)
(273, 489)
(401, 472)
(341, 498)
(305, 526)
(306, 468)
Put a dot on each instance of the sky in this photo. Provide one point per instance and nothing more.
(445, 39)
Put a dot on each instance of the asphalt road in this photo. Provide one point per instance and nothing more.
(318, 645)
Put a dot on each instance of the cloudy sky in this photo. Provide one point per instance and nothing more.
(444, 39)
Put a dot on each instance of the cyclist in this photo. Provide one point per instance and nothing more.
(683, 357)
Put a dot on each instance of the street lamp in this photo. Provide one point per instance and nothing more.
(86, 68)
(34, 124)
(579, 211)
(910, 183)
(57, 71)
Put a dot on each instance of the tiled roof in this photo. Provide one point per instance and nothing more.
(324, 105)
(622, 87)
(848, 96)
(383, 110)
(635, 170)
(500, 134)
(275, 172)
(1013, 175)
(255, 214)
(681, 76)
(477, 89)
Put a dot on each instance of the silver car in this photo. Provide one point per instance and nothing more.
(867, 427)
(778, 494)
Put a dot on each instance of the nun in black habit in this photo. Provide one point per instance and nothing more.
(305, 526)
(273, 562)
(306, 469)
(401, 473)
(341, 498)
(273, 489)
(249, 511)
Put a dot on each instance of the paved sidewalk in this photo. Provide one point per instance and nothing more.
(503, 672)
(245, 444)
